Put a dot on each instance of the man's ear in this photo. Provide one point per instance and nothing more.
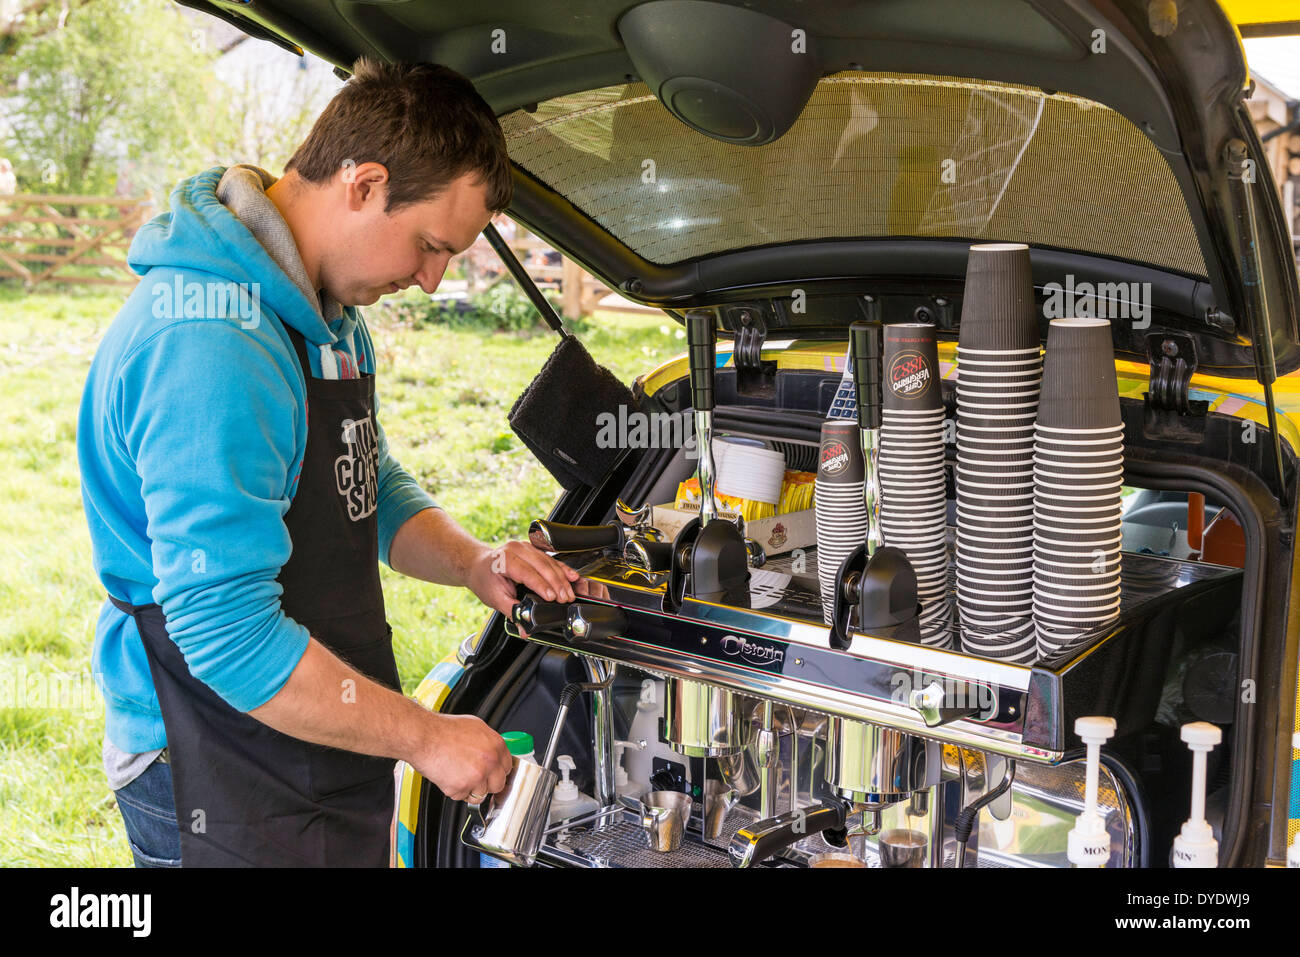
(364, 183)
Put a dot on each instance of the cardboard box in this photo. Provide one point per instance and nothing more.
(778, 534)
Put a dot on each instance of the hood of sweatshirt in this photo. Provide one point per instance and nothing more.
(200, 233)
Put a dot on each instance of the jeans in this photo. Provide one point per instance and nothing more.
(149, 810)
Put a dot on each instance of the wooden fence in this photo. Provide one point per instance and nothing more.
(42, 237)
(581, 293)
(54, 239)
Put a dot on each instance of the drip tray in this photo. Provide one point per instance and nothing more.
(614, 838)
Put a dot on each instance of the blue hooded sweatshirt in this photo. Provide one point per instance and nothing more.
(190, 439)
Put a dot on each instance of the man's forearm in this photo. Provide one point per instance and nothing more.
(326, 701)
(432, 547)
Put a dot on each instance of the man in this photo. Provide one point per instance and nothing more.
(240, 493)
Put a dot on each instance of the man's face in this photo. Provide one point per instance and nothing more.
(378, 253)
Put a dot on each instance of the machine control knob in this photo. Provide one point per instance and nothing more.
(589, 622)
(536, 615)
(939, 705)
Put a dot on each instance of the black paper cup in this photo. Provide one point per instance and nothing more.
(998, 308)
(998, 392)
(979, 578)
(973, 373)
(1056, 471)
(1072, 450)
(840, 460)
(1077, 523)
(900, 414)
(895, 506)
(1080, 445)
(913, 466)
(910, 365)
(1079, 383)
(1012, 452)
(995, 627)
(1081, 576)
(972, 428)
(1064, 535)
(1058, 607)
(993, 521)
(1000, 357)
(893, 439)
(981, 512)
(1053, 499)
(1078, 595)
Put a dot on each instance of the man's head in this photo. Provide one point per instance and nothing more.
(402, 170)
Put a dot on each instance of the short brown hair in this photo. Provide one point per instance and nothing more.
(426, 123)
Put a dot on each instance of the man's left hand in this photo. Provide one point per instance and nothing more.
(494, 575)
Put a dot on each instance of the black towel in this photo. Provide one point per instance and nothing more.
(556, 417)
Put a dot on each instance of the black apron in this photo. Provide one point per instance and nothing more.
(246, 794)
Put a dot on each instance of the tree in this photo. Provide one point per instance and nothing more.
(95, 86)
(272, 104)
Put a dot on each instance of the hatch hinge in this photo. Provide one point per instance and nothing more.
(1173, 362)
(750, 334)
(754, 377)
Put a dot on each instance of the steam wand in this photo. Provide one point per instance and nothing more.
(966, 818)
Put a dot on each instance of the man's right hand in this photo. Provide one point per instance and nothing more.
(458, 753)
(465, 757)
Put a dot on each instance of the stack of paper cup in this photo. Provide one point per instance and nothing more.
(751, 472)
(914, 505)
(840, 503)
(1078, 474)
(723, 442)
(999, 376)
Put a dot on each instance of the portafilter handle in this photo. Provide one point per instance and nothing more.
(560, 539)
(758, 841)
(701, 338)
(864, 338)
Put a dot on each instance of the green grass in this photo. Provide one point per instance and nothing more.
(444, 396)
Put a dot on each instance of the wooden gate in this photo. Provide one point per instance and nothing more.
(42, 237)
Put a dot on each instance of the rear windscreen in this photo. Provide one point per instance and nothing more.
(873, 155)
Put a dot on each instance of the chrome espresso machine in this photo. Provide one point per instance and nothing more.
(848, 743)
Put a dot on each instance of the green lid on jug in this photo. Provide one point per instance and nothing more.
(519, 742)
